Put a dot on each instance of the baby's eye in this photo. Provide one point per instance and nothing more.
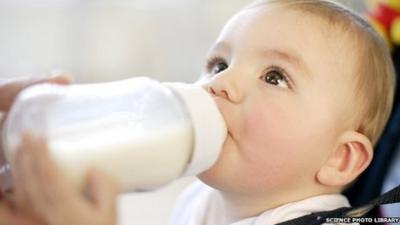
(216, 65)
(277, 78)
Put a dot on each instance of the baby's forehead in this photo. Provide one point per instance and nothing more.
(331, 21)
(331, 15)
(336, 32)
(298, 28)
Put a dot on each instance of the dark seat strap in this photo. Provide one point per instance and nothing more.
(392, 196)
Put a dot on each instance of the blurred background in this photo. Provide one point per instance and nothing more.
(104, 40)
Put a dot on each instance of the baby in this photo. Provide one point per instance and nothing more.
(305, 87)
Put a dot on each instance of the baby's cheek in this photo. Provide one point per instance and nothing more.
(271, 138)
(268, 129)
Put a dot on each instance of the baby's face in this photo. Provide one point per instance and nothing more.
(282, 79)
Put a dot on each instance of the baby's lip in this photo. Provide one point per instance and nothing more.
(229, 134)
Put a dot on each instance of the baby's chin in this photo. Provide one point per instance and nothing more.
(211, 178)
(215, 173)
(206, 176)
(222, 174)
(217, 178)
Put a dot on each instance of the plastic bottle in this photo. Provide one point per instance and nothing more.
(141, 132)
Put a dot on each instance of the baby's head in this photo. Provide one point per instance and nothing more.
(305, 87)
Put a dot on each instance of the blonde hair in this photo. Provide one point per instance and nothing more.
(375, 75)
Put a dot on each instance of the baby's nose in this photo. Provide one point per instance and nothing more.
(226, 87)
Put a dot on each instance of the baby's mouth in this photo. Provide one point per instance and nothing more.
(229, 134)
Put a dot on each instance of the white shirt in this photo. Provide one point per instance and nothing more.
(198, 205)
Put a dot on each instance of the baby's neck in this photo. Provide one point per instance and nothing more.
(238, 207)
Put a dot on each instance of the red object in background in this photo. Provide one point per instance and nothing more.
(384, 14)
(385, 17)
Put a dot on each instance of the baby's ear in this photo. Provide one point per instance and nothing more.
(349, 159)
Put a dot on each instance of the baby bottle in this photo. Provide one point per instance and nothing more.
(141, 132)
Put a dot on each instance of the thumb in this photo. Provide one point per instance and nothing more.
(103, 191)
(60, 78)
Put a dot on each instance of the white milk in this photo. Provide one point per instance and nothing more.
(135, 160)
(141, 132)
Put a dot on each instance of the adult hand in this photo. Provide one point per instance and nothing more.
(43, 192)
(9, 216)
(9, 89)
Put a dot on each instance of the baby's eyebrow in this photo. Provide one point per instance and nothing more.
(292, 58)
(221, 47)
(284, 55)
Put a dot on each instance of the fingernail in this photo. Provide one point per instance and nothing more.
(58, 72)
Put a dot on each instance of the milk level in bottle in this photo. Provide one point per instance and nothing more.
(141, 132)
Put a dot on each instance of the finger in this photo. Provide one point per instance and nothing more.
(10, 217)
(9, 197)
(22, 180)
(48, 191)
(6, 216)
(6, 179)
(29, 194)
(48, 173)
(2, 118)
(103, 191)
(2, 156)
(31, 198)
(10, 89)
(30, 174)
